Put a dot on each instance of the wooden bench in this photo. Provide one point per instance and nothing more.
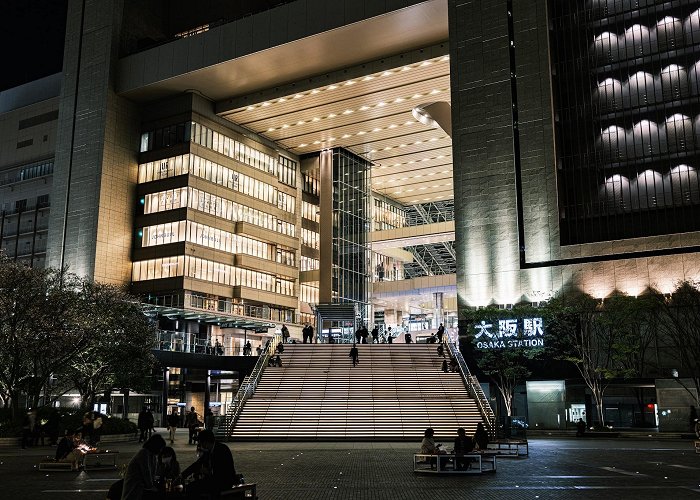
(510, 447)
(55, 466)
(100, 460)
(242, 491)
(446, 463)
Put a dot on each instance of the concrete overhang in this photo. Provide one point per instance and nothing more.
(275, 47)
(424, 234)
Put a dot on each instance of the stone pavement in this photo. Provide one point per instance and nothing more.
(556, 469)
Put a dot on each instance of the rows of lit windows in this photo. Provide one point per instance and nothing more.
(214, 205)
(286, 202)
(207, 270)
(388, 216)
(208, 138)
(308, 264)
(218, 174)
(26, 172)
(310, 211)
(194, 232)
(284, 168)
(308, 293)
(310, 184)
(309, 238)
(287, 171)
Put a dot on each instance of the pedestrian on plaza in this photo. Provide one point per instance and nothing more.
(141, 423)
(248, 349)
(192, 422)
(375, 334)
(87, 427)
(358, 335)
(151, 420)
(354, 354)
(580, 428)
(140, 476)
(389, 336)
(440, 332)
(364, 333)
(96, 428)
(481, 437)
(407, 338)
(51, 427)
(27, 428)
(173, 422)
(218, 348)
(258, 350)
(285, 334)
(311, 334)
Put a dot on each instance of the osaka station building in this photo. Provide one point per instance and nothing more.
(240, 167)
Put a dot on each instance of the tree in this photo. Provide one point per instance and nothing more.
(36, 338)
(679, 325)
(500, 352)
(118, 350)
(577, 334)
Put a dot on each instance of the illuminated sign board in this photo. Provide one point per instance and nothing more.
(510, 333)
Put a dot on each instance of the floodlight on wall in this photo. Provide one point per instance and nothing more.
(435, 114)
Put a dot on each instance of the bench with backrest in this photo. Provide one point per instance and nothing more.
(447, 463)
(509, 447)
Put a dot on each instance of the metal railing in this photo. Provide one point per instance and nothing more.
(167, 340)
(475, 391)
(247, 389)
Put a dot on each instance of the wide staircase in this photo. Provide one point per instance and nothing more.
(395, 392)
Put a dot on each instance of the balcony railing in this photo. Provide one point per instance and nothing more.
(167, 340)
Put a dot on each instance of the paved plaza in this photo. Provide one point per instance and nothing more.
(556, 468)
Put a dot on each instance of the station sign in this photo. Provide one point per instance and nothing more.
(510, 333)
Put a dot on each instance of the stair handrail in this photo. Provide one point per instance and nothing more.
(250, 384)
(475, 390)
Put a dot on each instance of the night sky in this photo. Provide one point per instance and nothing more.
(31, 35)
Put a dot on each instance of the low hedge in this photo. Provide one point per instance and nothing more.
(70, 419)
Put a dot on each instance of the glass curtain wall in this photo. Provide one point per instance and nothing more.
(626, 86)
(352, 224)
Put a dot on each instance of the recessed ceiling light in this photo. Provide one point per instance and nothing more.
(426, 63)
(399, 99)
(347, 111)
(416, 96)
(363, 108)
(271, 129)
(303, 145)
(345, 136)
(409, 122)
(387, 73)
(297, 96)
(367, 78)
(434, 91)
(332, 115)
(285, 126)
(381, 104)
(282, 99)
(315, 91)
(265, 104)
(377, 129)
(317, 142)
(332, 87)
(350, 82)
(405, 68)
(301, 122)
(250, 108)
(361, 132)
(392, 126)
(315, 119)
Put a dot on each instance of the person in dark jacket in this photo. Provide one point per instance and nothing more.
(481, 438)
(173, 422)
(140, 477)
(143, 424)
(215, 467)
(463, 445)
(354, 354)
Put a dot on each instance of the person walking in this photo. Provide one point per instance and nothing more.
(375, 334)
(311, 334)
(143, 424)
(258, 350)
(364, 333)
(440, 332)
(285, 334)
(354, 354)
(173, 422)
(191, 422)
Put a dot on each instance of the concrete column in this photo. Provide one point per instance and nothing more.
(207, 397)
(438, 308)
(325, 290)
(166, 385)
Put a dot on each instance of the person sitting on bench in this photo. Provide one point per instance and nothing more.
(463, 446)
(214, 470)
(68, 451)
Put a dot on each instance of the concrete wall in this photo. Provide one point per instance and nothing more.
(486, 226)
